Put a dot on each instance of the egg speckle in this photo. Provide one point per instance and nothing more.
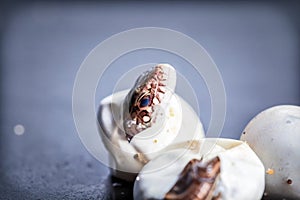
(289, 181)
(270, 171)
(171, 112)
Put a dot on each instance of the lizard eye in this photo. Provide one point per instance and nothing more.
(145, 101)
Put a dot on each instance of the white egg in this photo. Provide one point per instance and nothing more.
(274, 135)
(241, 172)
(176, 122)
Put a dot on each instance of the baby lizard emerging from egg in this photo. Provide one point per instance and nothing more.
(139, 105)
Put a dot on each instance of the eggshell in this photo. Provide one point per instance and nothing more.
(126, 159)
(274, 135)
(241, 173)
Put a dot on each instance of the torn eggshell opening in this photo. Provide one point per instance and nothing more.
(176, 123)
(241, 172)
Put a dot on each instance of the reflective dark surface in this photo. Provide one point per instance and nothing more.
(255, 45)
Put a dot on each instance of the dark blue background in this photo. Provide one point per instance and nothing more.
(255, 46)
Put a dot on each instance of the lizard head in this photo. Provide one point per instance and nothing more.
(147, 93)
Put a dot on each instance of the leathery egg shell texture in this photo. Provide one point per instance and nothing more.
(274, 135)
(241, 173)
(133, 141)
(178, 124)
